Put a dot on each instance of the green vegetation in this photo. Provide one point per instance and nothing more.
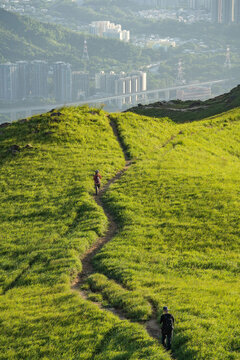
(94, 10)
(177, 243)
(48, 219)
(185, 111)
(133, 304)
(178, 209)
(22, 38)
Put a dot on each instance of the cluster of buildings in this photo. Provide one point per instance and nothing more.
(112, 84)
(120, 84)
(221, 11)
(218, 11)
(109, 30)
(189, 11)
(35, 80)
(40, 80)
(23, 79)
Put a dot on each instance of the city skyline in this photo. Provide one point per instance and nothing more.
(72, 62)
(43, 80)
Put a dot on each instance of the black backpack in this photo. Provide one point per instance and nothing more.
(168, 322)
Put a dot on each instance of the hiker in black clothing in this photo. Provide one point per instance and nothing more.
(167, 321)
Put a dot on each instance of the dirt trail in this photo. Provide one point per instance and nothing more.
(87, 268)
(152, 325)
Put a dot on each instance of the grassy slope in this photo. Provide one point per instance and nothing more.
(179, 211)
(203, 109)
(178, 208)
(48, 218)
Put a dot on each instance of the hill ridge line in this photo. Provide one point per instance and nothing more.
(151, 325)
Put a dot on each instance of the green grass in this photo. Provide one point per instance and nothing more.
(178, 212)
(178, 207)
(133, 304)
(25, 38)
(48, 219)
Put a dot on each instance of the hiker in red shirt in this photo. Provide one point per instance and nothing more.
(97, 181)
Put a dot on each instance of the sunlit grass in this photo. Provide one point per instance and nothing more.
(179, 211)
(178, 242)
(48, 219)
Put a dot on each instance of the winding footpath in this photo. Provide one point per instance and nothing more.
(152, 325)
(87, 268)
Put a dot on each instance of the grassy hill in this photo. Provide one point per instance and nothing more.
(177, 244)
(23, 38)
(184, 111)
(48, 219)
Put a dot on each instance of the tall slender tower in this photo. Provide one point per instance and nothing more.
(85, 56)
(227, 63)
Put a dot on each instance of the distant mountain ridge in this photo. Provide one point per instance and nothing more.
(190, 110)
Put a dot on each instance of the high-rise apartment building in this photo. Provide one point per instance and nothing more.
(80, 85)
(62, 77)
(141, 83)
(23, 74)
(199, 4)
(237, 11)
(38, 79)
(23, 80)
(217, 11)
(226, 11)
(8, 82)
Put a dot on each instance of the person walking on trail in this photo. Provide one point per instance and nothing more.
(167, 321)
(97, 181)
